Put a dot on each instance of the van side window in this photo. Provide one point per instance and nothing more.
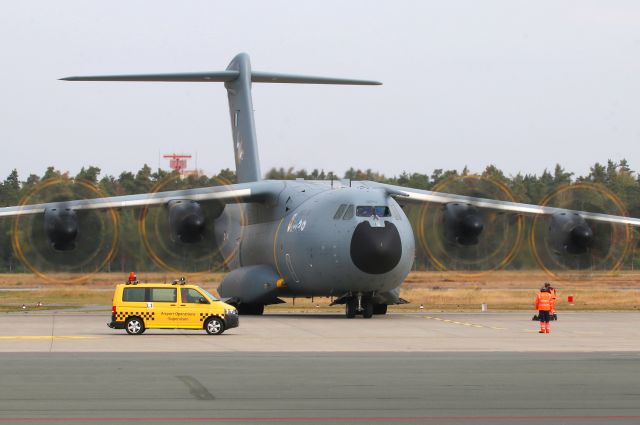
(340, 211)
(163, 295)
(134, 294)
(348, 215)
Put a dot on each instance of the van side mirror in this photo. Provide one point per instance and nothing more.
(202, 300)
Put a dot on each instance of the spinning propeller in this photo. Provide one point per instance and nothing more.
(565, 242)
(63, 240)
(458, 236)
(190, 236)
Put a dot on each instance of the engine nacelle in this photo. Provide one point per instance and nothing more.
(251, 285)
(186, 220)
(61, 228)
(462, 224)
(569, 233)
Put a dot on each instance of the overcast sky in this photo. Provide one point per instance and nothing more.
(522, 85)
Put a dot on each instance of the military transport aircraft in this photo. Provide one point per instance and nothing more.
(298, 238)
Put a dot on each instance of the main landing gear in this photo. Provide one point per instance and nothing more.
(250, 309)
(364, 305)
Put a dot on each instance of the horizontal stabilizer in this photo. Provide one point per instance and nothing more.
(270, 77)
(196, 77)
(225, 76)
(238, 79)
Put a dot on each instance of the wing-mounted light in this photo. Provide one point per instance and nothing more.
(61, 244)
(565, 243)
(187, 236)
(458, 236)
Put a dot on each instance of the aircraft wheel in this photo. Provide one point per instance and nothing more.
(134, 326)
(214, 326)
(351, 308)
(380, 309)
(251, 309)
(367, 309)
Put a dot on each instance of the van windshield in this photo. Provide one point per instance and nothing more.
(208, 294)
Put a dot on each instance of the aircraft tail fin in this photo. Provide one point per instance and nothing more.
(237, 78)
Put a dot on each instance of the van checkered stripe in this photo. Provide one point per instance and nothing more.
(145, 315)
(203, 316)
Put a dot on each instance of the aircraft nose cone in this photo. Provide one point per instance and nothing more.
(376, 250)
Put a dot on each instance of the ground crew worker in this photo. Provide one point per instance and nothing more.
(544, 304)
(552, 291)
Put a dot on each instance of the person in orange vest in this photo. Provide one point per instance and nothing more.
(552, 291)
(544, 304)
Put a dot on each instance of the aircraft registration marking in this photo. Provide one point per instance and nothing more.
(47, 337)
(472, 325)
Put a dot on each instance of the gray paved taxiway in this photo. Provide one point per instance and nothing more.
(331, 333)
(431, 368)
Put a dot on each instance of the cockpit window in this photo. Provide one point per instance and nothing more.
(382, 211)
(368, 211)
(348, 215)
(340, 211)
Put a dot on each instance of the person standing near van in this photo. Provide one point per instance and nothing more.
(544, 304)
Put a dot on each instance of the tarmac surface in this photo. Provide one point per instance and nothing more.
(483, 368)
(428, 332)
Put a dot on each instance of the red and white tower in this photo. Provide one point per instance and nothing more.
(177, 162)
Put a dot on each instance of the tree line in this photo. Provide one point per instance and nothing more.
(613, 180)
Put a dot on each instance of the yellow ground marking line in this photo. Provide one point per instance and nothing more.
(47, 337)
(472, 325)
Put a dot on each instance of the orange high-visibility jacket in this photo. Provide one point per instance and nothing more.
(544, 301)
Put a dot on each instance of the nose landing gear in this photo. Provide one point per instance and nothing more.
(359, 305)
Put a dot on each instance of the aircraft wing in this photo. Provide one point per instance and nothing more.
(236, 193)
(406, 195)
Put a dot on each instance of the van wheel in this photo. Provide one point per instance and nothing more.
(214, 326)
(134, 326)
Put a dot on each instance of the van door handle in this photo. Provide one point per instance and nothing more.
(172, 305)
(183, 305)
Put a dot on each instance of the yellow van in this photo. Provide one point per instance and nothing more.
(141, 306)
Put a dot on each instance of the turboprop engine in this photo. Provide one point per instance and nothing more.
(462, 224)
(186, 220)
(569, 233)
(61, 227)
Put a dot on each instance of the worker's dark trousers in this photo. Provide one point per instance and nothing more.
(544, 315)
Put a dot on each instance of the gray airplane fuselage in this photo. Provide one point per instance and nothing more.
(313, 240)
